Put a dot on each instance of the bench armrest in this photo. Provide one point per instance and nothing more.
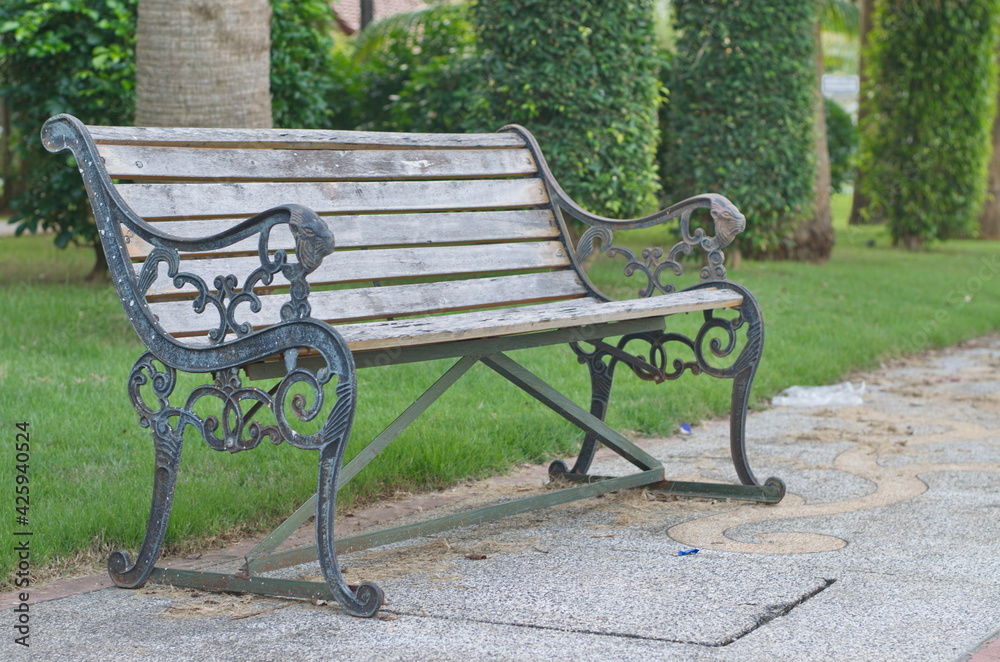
(726, 219)
(313, 241)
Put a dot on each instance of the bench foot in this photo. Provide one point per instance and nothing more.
(124, 573)
(602, 375)
(366, 599)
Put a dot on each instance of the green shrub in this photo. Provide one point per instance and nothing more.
(841, 143)
(926, 138)
(407, 73)
(740, 118)
(78, 57)
(581, 75)
(446, 91)
(75, 56)
(431, 71)
(302, 60)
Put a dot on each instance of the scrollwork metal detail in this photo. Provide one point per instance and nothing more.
(728, 222)
(656, 366)
(231, 429)
(313, 241)
(650, 265)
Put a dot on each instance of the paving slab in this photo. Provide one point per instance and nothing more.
(885, 548)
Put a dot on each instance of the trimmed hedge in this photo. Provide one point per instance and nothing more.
(581, 75)
(741, 116)
(925, 142)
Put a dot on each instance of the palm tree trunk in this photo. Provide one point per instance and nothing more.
(203, 64)
(814, 235)
(367, 13)
(860, 201)
(989, 218)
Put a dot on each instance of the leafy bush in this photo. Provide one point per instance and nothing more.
(432, 71)
(926, 138)
(740, 118)
(74, 56)
(302, 60)
(78, 57)
(409, 72)
(581, 76)
(842, 144)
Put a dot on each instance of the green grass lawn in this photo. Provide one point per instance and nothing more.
(66, 350)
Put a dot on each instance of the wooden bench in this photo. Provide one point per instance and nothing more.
(469, 225)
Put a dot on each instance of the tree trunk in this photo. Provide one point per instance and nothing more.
(99, 273)
(860, 201)
(989, 218)
(367, 13)
(6, 170)
(203, 64)
(814, 235)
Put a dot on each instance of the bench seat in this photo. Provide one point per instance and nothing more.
(498, 322)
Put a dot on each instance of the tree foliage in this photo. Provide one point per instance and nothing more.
(842, 144)
(78, 57)
(926, 137)
(302, 59)
(554, 67)
(582, 77)
(72, 56)
(741, 117)
(415, 71)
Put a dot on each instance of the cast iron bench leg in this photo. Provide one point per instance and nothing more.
(602, 374)
(367, 598)
(167, 444)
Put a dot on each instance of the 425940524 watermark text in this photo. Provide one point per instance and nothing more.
(22, 533)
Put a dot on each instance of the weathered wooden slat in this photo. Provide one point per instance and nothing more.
(380, 230)
(540, 317)
(165, 201)
(392, 335)
(382, 264)
(298, 138)
(286, 165)
(179, 319)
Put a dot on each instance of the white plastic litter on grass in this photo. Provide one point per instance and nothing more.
(835, 395)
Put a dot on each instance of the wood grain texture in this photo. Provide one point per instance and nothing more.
(391, 335)
(381, 264)
(298, 138)
(287, 165)
(165, 201)
(377, 230)
(541, 317)
(366, 303)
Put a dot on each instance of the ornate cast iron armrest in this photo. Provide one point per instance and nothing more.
(313, 241)
(726, 218)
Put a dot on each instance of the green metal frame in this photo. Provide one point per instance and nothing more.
(265, 557)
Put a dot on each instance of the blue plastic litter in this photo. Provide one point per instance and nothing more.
(685, 428)
(685, 552)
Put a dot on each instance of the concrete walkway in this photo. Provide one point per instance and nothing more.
(886, 548)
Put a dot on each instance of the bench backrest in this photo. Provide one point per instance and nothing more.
(424, 223)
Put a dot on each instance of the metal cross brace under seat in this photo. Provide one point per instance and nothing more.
(264, 557)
